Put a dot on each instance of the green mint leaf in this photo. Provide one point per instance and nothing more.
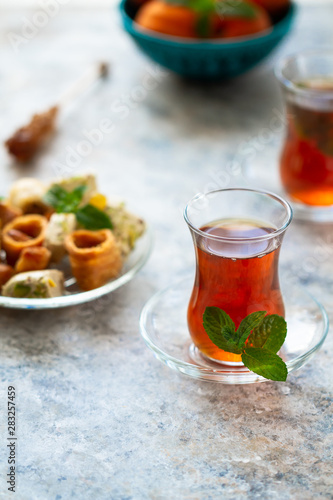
(236, 8)
(215, 319)
(247, 325)
(55, 195)
(73, 200)
(202, 26)
(224, 8)
(265, 363)
(76, 195)
(205, 9)
(199, 6)
(221, 342)
(228, 334)
(202, 6)
(92, 218)
(270, 334)
(63, 201)
(217, 325)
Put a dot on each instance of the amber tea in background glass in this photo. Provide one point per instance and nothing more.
(307, 157)
(237, 256)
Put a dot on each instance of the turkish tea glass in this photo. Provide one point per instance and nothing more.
(237, 235)
(306, 164)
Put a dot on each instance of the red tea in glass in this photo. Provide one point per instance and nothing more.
(307, 157)
(236, 260)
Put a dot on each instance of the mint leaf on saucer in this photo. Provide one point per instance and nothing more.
(265, 363)
(247, 325)
(258, 338)
(215, 318)
(229, 334)
(220, 329)
(270, 334)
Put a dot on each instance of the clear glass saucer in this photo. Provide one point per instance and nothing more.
(164, 329)
(309, 213)
(73, 295)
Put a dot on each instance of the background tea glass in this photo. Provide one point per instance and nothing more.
(306, 165)
(237, 235)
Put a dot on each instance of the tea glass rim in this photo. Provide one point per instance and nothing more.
(273, 234)
(291, 85)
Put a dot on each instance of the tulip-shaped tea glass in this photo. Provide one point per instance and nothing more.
(237, 234)
(306, 165)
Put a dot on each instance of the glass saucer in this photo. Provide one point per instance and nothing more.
(73, 295)
(163, 327)
(309, 213)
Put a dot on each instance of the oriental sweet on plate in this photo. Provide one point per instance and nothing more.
(67, 221)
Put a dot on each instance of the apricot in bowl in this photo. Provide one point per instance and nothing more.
(230, 47)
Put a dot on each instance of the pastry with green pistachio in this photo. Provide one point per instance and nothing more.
(35, 285)
(127, 227)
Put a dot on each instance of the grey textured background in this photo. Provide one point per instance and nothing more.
(98, 416)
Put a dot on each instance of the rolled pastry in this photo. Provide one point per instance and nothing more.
(8, 213)
(33, 259)
(27, 194)
(94, 256)
(35, 285)
(59, 226)
(6, 272)
(23, 232)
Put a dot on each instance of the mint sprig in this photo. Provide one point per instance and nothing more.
(92, 218)
(226, 8)
(89, 216)
(205, 9)
(265, 363)
(64, 202)
(236, 8)
(258, 339)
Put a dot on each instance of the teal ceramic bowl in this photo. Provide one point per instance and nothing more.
(211, 59)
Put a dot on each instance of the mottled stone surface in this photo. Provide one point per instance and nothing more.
(98, 416)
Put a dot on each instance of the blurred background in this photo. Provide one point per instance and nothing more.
(168, 138)
(94, 4)
(157, 123)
